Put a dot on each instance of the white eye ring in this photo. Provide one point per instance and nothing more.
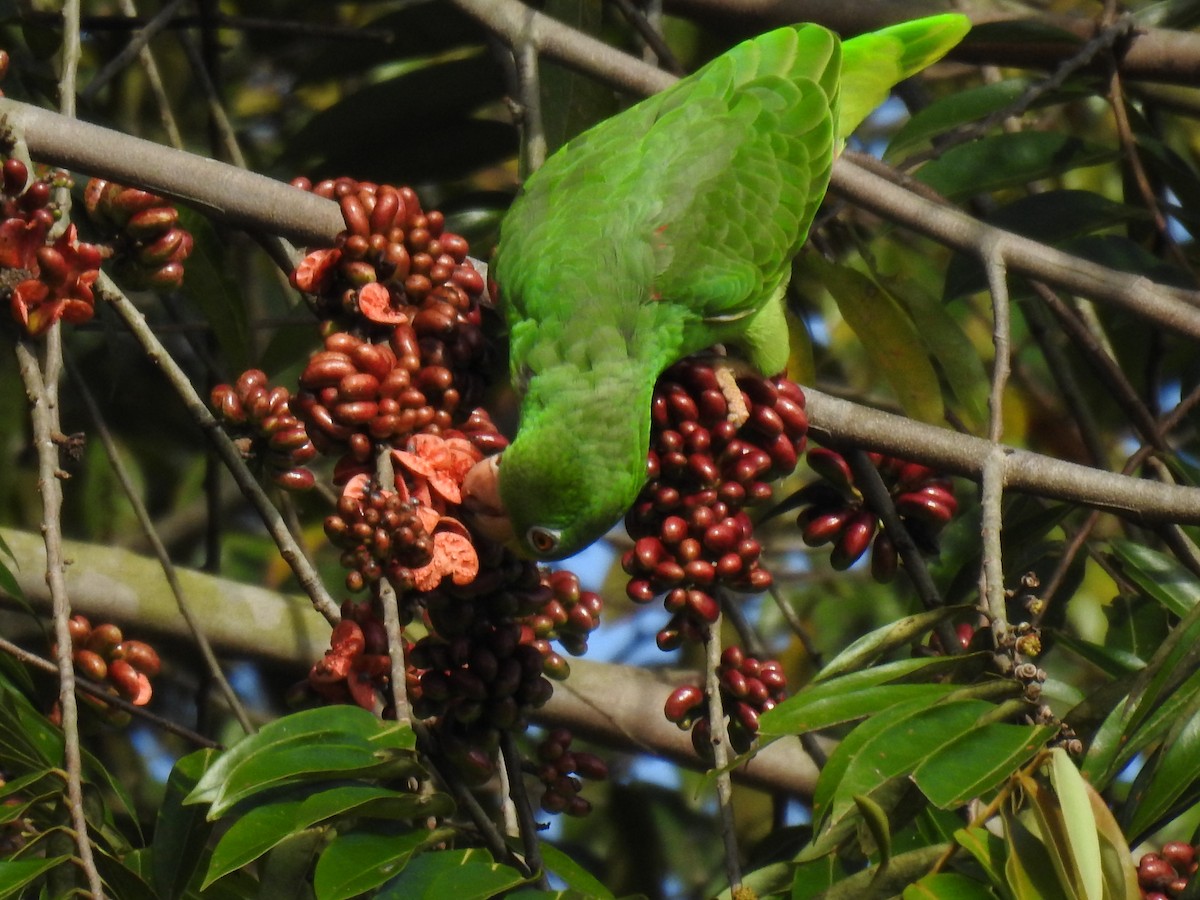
(543, 540)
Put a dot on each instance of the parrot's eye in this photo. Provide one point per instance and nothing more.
(543, 540)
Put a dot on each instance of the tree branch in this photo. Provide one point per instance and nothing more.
(615, 705)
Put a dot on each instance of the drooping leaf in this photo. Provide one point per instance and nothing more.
(265, 826)
(462, 874)
(1158, 575)
(17, 874)
(952, 111)
(978, 760)
(882, 640)
(947, 886)
(1168, 776)
(888, 336)
(859, 694)
(360, 861)
(180, 832)
(1009, 160)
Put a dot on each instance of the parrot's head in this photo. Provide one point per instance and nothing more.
(545, 508)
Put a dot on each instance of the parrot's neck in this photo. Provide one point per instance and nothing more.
(606, 405)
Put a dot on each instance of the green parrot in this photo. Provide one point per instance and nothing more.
(664, 230)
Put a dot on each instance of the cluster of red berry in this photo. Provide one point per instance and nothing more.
(1166, 874)
(102, 654)
(47, 279)
(834, 511)
(562, 770)
(142, 229)
(691, 531)
(260, 419)
(749, 687)
(379, 535)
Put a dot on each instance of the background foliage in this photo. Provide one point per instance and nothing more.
(1026, 766)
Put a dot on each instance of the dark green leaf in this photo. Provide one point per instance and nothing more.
(16, 875)
(952, 111)
(360, 861)
(180, 832)
(1158, 576)
(1009, 160)
(463, 874)
(1169, 775)
(888, 336)
(977, 760)
(947, 886)
(211, 288)
(573, 874)
(882, 640)
(858, 694)
(262, 828)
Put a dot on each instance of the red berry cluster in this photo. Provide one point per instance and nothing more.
(392, 243)
(749, 687)
(267, 432)
(143, 228)
(379, 535)
(562, 770)
(357, 667)
(355, 393)
(569, 614)
(689, 525)
(835, 512)
(45, 282)
(102, 654)
(1166, 874)
(477, 684)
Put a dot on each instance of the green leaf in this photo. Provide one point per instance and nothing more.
(1158, 576)
(360, 861)
(849, 697)
(262, 828)
(1078, 826)
(576, 876)
(211, 288)
(333, 758)
(462, 874)
(285, 872)
(978, 760)
(16, 875)
(988, 851)
(890, 745)
(180, 832)
(947, 886)
(1168, 776)
(882, 640)
(310, 726)
(952, 111)
(888, 336)
(947, 345)
(1009, 160)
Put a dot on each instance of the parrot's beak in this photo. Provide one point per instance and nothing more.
(481, 500)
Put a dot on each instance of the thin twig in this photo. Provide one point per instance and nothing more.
(510, 753)
(154, 80)
(533, 132)
(137, 41)
(651, 35)
(44, 415)
(385, 473)
(291, 552)
(719, 737)
(992, 483)
(143, 516)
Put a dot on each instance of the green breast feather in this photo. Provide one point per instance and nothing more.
(662, 231)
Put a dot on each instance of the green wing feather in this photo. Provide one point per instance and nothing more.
(874, 63)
